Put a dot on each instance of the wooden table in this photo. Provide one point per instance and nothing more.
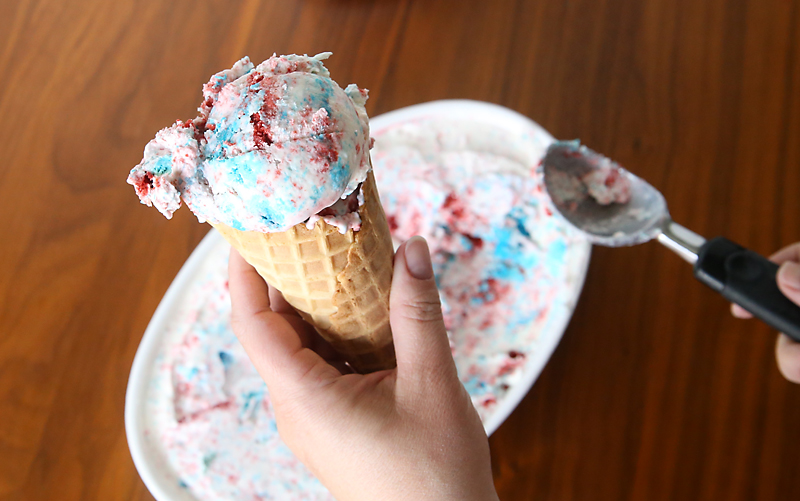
(655, 392)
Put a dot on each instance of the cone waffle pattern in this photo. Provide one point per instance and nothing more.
(338, 282)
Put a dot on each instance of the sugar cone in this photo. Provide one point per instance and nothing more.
(337, 282)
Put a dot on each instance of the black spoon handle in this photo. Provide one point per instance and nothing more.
(747, 279)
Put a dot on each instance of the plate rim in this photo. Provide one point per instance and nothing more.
(141, 369)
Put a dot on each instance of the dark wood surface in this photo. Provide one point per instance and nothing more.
(655, 392)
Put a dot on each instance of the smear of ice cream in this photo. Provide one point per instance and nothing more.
(273, 145)
(208, 411)
(499, 253)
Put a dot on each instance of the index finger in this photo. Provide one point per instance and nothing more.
(273, 345)
(788, 253)
(249, 292)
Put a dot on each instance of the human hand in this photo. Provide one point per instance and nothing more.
(787, 351)
(410, 433)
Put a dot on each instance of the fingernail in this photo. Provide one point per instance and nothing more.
(418, 258)
(789, 274)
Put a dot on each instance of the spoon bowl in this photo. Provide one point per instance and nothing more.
(638, 220)
(615, 208)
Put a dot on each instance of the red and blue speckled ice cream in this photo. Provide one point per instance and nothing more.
(504, 265)
(273, 145)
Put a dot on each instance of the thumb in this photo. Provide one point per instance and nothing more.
(415, 314)
(789, 280)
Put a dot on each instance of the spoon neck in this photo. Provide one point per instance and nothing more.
(682, 241)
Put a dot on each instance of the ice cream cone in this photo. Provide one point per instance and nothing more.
(338, 282)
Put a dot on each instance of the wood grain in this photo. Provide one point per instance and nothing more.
(655, 392)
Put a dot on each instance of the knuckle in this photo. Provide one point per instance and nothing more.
(788, 356)
(422, 309)
(789, 367)
(237, 323)
(791, 372)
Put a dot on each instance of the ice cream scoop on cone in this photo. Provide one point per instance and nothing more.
(275, 161)
(338, 282)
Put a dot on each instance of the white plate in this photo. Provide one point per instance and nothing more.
(152, 466)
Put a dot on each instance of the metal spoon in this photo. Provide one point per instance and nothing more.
(634, 212)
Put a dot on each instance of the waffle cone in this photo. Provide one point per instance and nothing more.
(337, 282)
